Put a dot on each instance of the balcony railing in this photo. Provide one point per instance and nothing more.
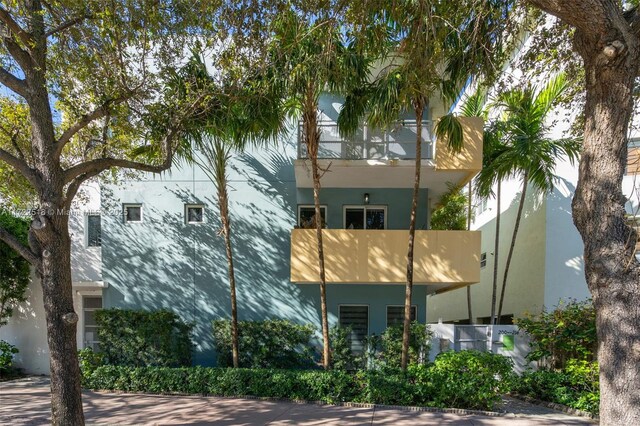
(368, 143)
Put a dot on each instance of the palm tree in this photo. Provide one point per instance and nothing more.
(249, 112)
(430, 49)
(532, 155)
(310, 56)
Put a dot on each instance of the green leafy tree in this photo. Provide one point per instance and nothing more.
(606, 36)
(14, 269)
(106, 66)
(451, 211)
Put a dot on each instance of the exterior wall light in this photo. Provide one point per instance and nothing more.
(366, 198)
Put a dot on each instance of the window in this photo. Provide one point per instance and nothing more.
(90, 304)
(194, 214)
(395, 314)
(481, 207)
(133, 213)
(365, 217)
(483, 259)
(306, 214)
(357, 318)
(94, 230)
(633, 157)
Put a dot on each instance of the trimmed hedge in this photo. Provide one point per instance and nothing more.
(144, 338)
(422, 385)
(265, 344)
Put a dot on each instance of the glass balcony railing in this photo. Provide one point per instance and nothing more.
(368, 143)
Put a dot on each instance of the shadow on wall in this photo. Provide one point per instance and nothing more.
(166, 263)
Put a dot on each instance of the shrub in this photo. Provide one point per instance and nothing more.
(467, 379)
(342, 357)
(567, 332)
(7, 352)
(471, 378)
(575, 386)
(265, 344)
(144, 338)
(391, 344)
(90, 360)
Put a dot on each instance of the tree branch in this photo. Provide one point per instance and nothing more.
(67, 24)
(24, 251)
(587, 15)
(14, 27)
(14, 83)
(100, 112)
(94, 167)
(21, 166)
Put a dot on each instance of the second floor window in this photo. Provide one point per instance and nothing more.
(306, 216)
(94, 230)
(365, 217)
(133, 213)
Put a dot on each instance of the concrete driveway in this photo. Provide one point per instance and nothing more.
(26, 402)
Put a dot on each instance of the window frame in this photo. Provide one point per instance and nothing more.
(125, 206)
(186, 214)
(83, 297)
(312, 206)
(386, 312)
(483, 260)
(364, 212)
(87, 239)
(341, 305)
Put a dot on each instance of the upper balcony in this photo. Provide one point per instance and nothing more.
(386, 158)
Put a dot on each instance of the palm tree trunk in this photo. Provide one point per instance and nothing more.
(223, 204)
(312, 140)
(419, 108)
(469, 308)
(516, 227)
(495, 257)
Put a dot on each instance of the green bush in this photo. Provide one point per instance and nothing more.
(90, 360)
(568, 332)
(575, 386)
(7, 352)
(472, 378)
(391, 344)
(144, 338)
(465, 379)
(342, 357)
(265, 344)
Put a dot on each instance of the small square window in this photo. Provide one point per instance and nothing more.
(307, 213)
(483, 260)
(194, 214)
(93, 230)
(395, 314)
(133, 213)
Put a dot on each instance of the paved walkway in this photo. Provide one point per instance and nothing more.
(26, 402)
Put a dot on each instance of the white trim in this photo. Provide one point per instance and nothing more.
(124, 212)
(312, 206)
(386, 312)
(340, 305)
(90, 285)
(364, 212)
(186, 214)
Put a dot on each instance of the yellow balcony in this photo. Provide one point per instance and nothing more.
(448, 258)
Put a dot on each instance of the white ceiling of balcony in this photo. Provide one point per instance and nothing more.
(378, 174)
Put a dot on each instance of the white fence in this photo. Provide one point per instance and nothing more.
(505, 340)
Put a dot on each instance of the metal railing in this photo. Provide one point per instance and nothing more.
(368, 143)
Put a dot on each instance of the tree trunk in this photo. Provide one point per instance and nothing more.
(312, 140)
(494, 290)
(223, 201)
(406, 334)
(516, 227)
(469, 306)
(55, 245)
(611, 269)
